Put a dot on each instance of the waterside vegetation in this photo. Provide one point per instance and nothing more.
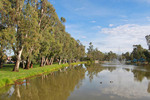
(139, 55)
(35, 34)
(8, 77)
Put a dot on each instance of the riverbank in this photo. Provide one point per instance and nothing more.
(8, 77)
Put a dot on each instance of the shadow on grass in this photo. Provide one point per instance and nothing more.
(7, 67)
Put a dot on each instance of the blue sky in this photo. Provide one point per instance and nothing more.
(111, 25)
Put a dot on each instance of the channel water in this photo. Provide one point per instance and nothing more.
(85, 82)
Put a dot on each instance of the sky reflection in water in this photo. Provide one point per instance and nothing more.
(94, 82)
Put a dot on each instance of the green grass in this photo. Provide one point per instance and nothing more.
(8, 77)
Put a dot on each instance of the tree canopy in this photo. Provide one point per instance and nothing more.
(33, 30)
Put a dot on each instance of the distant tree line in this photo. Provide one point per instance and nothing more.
(32, 29)
(94, 54)
(138, 54)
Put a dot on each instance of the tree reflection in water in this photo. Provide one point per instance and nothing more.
(94, 69)
(56, 86)
(142, 72)
(127, 82)
(148, 90)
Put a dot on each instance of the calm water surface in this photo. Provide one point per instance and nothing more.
(94, 82)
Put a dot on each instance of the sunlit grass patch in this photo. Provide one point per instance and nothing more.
(8, 77)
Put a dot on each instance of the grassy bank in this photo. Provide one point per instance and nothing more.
(8, 77)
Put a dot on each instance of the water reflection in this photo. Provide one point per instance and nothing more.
(148, 90)
(95, 69)
(141, 72)
(125, 86)
(93, 82)
(56, 86)
(114, 83)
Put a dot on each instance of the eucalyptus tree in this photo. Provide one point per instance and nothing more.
(126, 56)
(138, 52)
(63, 20)
(21, 16)
(98, 55)
(31, 43)
(6, 38)
(75, 49)
(4, 45)
(45, 45)
(90, 51)
(72, 49)
(55, 49)
(80, 50)
(95, 54)
(66, 44)
(33, 28)
(2, 50)
(47, 21)
(59, 38)
(12, 16)
(110, 56)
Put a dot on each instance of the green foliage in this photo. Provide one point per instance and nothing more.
(126, 56)
(110, 56)
(63, 20)
(94, 54)
(8, 77)
(137, 53)
(33, 31)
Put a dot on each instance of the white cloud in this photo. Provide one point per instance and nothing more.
(111, 25)
(99, 27)
(93, 21)
(96, 27)
(123, 37)
(83, 37)
(123, 16)
(148, 18)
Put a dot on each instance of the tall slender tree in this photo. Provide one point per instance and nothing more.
(32, 28)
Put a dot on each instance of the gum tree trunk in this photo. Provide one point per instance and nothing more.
(51, 60)
(42, 61)
(31, 65)
(69, 61)
(28, 63)
(59, 61)
(65, 61)
(19, 53)
(1, 63)
(46, 61)
(23, 64)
